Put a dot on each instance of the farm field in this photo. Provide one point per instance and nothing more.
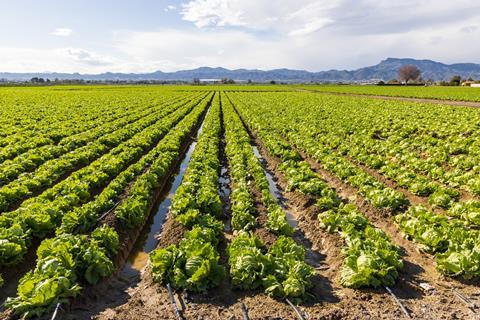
(433, 92)
(238, 202)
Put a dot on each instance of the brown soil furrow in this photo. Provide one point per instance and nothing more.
(260, 230)
(12, 275)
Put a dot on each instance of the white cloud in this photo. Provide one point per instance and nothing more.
(298, 17)
(303, 17)
(56, 59)
(62, 32)
(170, 8)
(310, 27)
(311, 17)
(88, 57)
(205, 13)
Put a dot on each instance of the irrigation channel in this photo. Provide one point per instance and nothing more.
(148, 239)
(274, 190)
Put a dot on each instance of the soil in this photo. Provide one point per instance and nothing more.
(261, 231)
(12, 276)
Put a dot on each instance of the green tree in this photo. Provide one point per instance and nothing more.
(455, 81)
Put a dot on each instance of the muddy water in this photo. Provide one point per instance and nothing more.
(292, 221)
(224, 181)
(147, 240)
(224, 184)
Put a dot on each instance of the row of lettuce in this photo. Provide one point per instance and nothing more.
(193, 264)
(454, 240)
(81, 253)
(371, 259)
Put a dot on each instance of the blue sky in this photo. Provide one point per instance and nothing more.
(146, 35)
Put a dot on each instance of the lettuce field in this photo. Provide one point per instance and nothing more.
(431, 92)
(238, 202)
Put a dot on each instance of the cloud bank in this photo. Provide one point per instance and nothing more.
(301, 34)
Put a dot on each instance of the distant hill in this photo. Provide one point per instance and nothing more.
(385, 70)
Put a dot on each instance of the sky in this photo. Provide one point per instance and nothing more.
(146, 35)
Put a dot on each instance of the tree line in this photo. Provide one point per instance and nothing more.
(411, 74)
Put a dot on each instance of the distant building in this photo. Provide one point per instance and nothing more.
(475, 85)
(210, 80)
(467, 83)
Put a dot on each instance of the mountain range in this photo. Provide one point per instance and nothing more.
(385, 70)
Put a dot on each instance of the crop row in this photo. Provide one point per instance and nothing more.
(371, 259)
(193, 263)
(281, 269)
